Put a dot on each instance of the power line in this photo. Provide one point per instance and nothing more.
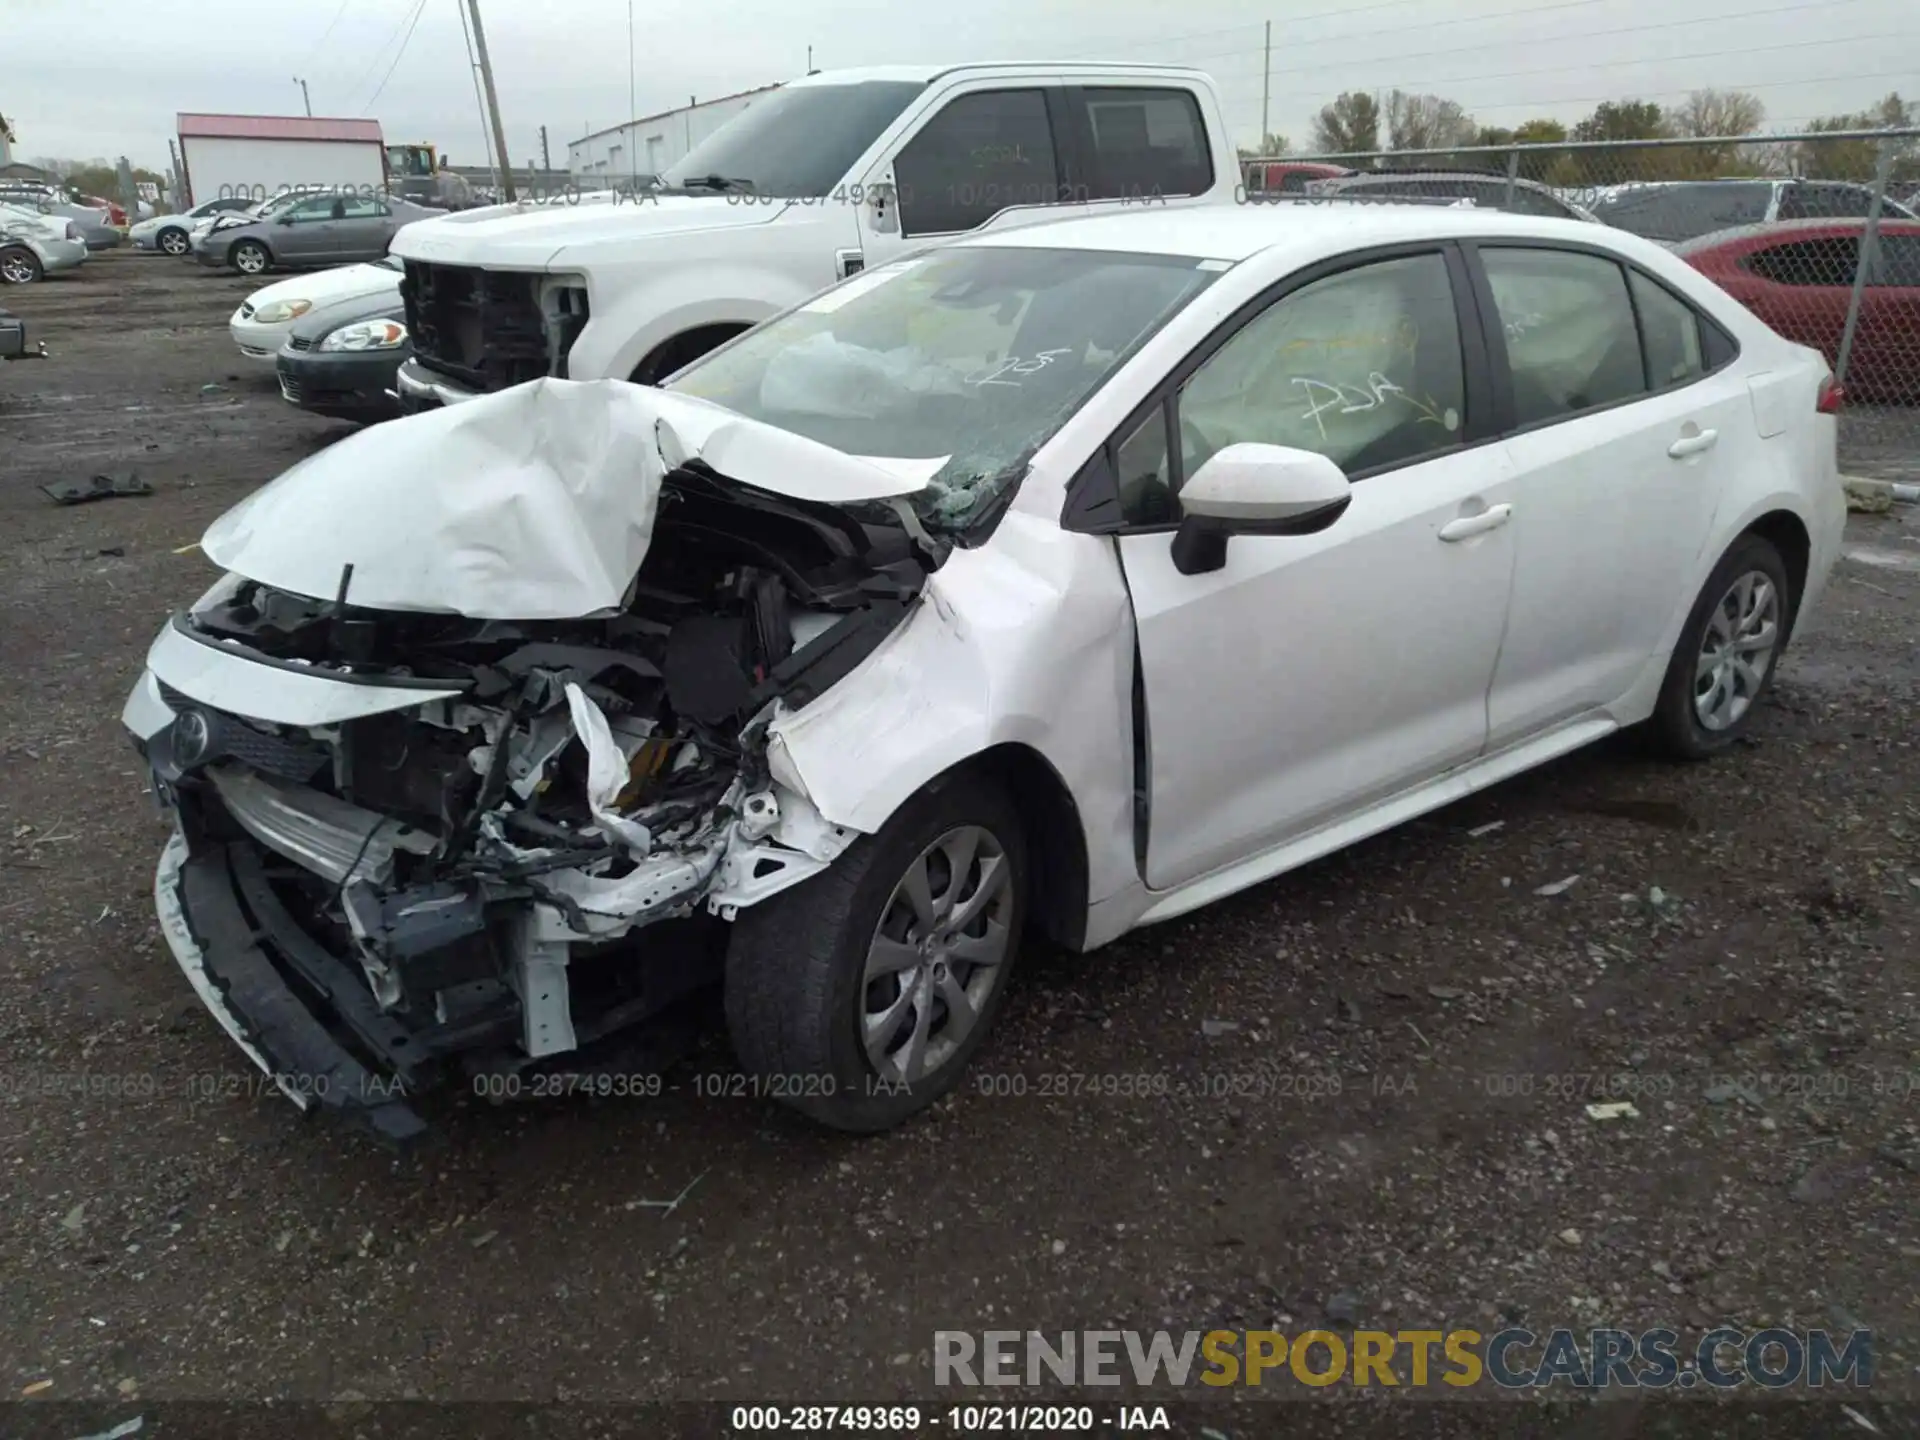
(1667, 94)
(377, 52)
(327, 33)
(1557, 39)
(418, 11)
(1457, 80)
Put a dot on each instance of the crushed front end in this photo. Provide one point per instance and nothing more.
(409, 846)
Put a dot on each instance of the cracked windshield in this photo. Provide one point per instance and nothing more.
(955, 366)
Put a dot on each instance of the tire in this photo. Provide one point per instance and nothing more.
(1747, 596)
(173, 241)
(250, 257)
(797, 996)
(19, 266)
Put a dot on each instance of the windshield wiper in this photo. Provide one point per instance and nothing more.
(721, 183)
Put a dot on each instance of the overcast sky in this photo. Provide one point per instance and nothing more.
(85, 78)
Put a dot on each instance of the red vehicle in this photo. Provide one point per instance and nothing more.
(1797, 275)
(1288, 177)
(116, 214)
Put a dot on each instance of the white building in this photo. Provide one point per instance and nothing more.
(258, 156)
(647, 146)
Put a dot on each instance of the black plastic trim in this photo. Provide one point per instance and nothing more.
(182, 622)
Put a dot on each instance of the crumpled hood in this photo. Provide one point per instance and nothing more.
(535, 503)
(534, 235)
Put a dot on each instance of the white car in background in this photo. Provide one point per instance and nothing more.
(1072, 576)
(173, 234)
(265, 318)
(37, 244)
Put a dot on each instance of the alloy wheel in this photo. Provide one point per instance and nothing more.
(16, 269)
(1742, 633)
(937, 955)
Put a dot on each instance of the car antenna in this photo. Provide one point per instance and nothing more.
(340, 595)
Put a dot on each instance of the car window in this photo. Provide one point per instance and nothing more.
(1828, 260)
(1813, 201)
(1528, 201)
(1294, 182)
(958, 363)
(1685, 212)
(1363, 367)
(1670, 330)
(361, 207)
(1898, 261)
(1142, 473)
(980, 154)
(1146, 142)
(318, 208)
(1570, 336)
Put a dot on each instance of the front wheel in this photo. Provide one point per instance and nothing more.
(1727, 652)
(19, 266)
(250, 257)
(860, 996)
(172, 240)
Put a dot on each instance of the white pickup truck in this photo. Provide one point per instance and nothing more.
(830, 174)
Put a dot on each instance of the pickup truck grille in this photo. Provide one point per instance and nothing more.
(480, 327)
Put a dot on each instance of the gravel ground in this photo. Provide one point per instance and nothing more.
(1408, 1035)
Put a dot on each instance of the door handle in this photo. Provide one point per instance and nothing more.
(1467, 526)
(1693, 444)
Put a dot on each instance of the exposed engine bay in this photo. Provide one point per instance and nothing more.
(485, 854)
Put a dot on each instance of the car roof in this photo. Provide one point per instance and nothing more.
(1308, 227)
(1369, 177)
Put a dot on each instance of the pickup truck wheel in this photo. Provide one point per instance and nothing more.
(19, 265)
(250, 257)
(172, 240)
(859, 997)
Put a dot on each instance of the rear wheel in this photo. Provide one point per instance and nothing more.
(250, 257)
(859, 997)
(172, 240)
(19, 265)
(1727, 652)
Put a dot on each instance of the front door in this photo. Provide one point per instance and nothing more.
(363, 229)
(981, 154)
(1315, 674)
(306, 230)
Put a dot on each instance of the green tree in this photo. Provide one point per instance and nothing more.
(1350, 124)
(1427, 122)
(1855, 159)
(1623, 120)
(1269, 145)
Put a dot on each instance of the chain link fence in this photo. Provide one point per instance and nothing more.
(1818, 234)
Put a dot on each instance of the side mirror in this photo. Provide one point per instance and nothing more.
(1252, 489)
(284, 220)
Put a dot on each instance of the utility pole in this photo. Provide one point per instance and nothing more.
(493, 103)
(179, 199)
(546, 162)
(1266, 84)
(303, 95)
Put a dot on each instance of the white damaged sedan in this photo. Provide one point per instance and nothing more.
(1059, 580)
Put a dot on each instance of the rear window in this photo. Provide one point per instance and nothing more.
(1685, 212)
(1826, 261)
(1146, 142)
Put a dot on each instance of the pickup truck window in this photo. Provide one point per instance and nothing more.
(1146, 143)
(796, 142)
(980, 154)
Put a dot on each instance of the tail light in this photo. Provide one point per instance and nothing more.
(1833, 395)
(73, 231)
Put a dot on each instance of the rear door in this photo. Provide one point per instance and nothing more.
(1623, 433)
(363, 229)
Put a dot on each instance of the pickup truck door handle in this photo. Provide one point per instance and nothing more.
(1693, 444)
(1467, 526)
